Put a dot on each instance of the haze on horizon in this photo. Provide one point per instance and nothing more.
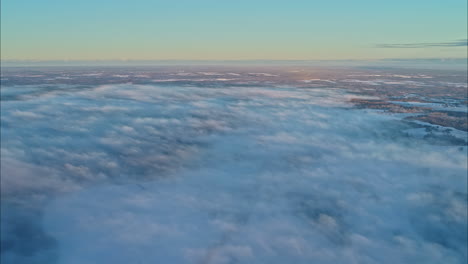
(232, 30)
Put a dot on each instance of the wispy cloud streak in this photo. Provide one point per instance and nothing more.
(456, 43)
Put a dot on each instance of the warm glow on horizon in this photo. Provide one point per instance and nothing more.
(240, 30)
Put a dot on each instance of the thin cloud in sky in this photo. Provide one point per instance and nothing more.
(456, 43)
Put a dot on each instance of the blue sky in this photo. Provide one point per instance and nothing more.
(232, 30)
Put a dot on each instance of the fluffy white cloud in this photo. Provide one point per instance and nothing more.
(220, 174)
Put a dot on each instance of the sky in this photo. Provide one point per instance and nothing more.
(232, 30)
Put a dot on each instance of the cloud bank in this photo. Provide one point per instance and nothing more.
(184, 173)
(455, 43)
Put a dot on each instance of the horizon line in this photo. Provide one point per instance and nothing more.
(224, 60)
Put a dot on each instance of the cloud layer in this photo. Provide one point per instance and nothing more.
(456, 43)
(210, 173)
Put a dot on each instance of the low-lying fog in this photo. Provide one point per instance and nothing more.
(127, 173)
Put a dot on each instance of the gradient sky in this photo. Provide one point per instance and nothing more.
(232, 30)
